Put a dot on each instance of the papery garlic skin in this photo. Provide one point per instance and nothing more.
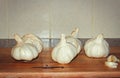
(37, 42)
(113, 58)
(111, 64)
(67, 48)
(73, 40)
(97, 47)
(64, 52)
(23, 51)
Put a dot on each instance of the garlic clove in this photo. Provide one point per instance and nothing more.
(111, 64)
(113, 58)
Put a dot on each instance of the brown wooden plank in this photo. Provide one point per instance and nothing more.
(44, 66)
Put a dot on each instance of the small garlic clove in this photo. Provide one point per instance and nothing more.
(113, 58)
(111, 64)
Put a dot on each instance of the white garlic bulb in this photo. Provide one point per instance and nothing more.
(30, 38)
(73, 40)
(97, 47)
(23, 51)
(64, 52)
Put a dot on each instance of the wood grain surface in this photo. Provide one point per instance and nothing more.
(43, 66)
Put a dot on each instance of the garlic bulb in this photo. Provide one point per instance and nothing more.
(64, 52)
(23, 51)
(97, 47)
(73, 40)
(30, 38)
(111, 64)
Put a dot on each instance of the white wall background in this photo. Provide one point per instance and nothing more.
(50, 18)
